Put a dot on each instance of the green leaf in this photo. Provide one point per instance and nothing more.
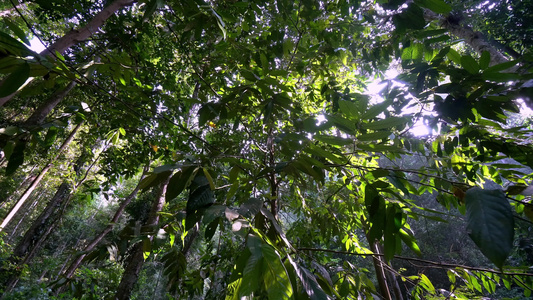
(16, 30)
(413, 52)
(200, 197)
(343, 124)
(410, 241)
(151, 7)
(220, 23)
(10, 130)
(11, 46)
(484, 60)
(147, 248)
(375, 110)
(502, 66)
(165, 168)
(454, 56)
(318, 151)
(349, 109)
(15, 80)
(252, 273)
(179, 181)
(438, 6)
(17, 157)
(387, 123)
(379, 135)
(309, 282)
(490, 223)
(500, 77)
(50, 137)
(411, 18)
(333, 140)
(209, 178)
(426, 284)
(469, 64)
(276, 279)
(379, 148)
(153, 180)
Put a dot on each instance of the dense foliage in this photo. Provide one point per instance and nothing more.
(233, 149)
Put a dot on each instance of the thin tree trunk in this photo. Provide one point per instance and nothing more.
(40, 113)
(77, 261)
(27, 180)
(394, 283)
(38, 179)
(379, 266)
(37, 234)
(43, 226)
(75, 36)
(27, 210)
(391, 277)
(136, 259)
(42, 221)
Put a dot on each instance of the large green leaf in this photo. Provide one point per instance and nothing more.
(276, 279)
(387, 123)
(469, 64)
(374, 136)
(412, 18)
(252, 274)
(309, 282)
(490, 223)
(333, 140)
(349, 109)
(201, 194)
(438, 6)
(11, 46)
(17, 157)
(15, 80)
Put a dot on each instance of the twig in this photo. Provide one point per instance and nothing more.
(434, 264)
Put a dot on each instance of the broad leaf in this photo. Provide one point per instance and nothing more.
(15, 80)
(490, 223)
(438, 6)
(387, 123)
(333, 140)
(276, 279)
(469, 64)
(309, 282)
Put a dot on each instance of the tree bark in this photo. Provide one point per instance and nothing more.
(75, 36)
(38, 179)
(77, 261)
(474, 39)
(136, 259)
(38, 116)
(379, 266)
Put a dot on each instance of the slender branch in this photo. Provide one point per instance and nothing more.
(429, 262)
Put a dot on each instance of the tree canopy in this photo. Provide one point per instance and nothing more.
(227, 149)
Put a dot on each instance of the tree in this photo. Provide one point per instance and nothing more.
(270, 179)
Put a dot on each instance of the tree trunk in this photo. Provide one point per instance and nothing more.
(40, 113)
(26, 210)
(136, 259)
(77, 261)
(36, 235)
(38, 179)
(474, 39)
(379, 266)
(75, 36)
